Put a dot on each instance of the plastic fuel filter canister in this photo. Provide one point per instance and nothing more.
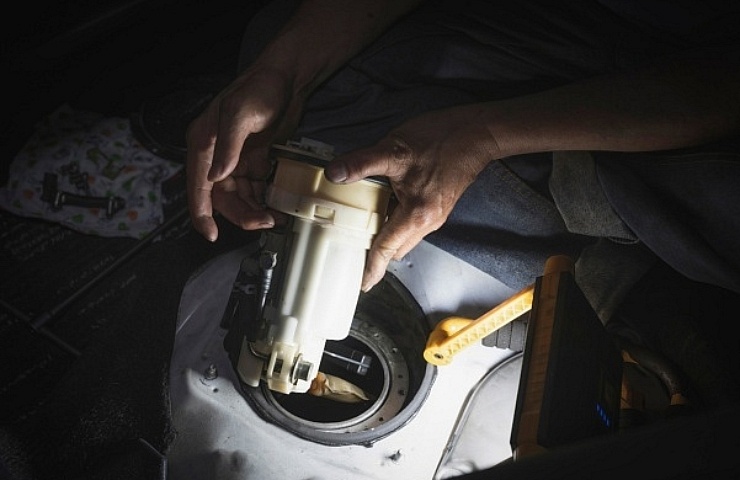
(332, 228)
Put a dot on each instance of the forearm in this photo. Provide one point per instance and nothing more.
(671, 105)
(323, 34)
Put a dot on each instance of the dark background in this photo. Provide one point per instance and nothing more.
(110, 55)
(87, 323)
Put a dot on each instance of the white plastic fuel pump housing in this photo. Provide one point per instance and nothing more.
(311, 270)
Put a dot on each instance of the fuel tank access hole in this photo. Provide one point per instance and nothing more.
(389, 328)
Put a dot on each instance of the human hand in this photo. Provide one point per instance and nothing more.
(227, 150)
(430, 161)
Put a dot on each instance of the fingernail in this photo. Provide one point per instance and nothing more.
(268, 221)
(274, 218)
(204, 226)
(214, 174)
(367, 284)
(336, 172)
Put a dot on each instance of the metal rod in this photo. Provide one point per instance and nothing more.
(42, 331)
(38, 323)
(349, 358)
(47, 316)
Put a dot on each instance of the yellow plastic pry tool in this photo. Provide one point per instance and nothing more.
(456, 333)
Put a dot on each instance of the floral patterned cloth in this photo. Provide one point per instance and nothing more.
(88, 155)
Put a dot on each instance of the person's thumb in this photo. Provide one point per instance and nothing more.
(377, 160)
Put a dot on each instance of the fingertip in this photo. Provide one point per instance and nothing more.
(336, 172)
(369, 280)
(214, 174)
(207, 228)
(209, 234)
(280, 219)
(267, 219)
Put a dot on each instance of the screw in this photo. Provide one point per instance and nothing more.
(211, 372)
(395, 457)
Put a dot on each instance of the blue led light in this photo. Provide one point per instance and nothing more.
(601, 412)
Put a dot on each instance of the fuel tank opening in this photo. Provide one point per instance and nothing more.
(388, 332)
(373, 385)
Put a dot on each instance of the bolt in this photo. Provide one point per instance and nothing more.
(211, 372)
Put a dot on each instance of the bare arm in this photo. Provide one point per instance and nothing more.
(431, 159)
(679, 102)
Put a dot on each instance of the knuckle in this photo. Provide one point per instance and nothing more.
(198, 136)
(253, 116)
(386, 252)
(428, 216)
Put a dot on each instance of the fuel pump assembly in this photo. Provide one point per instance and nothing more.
(302, 286)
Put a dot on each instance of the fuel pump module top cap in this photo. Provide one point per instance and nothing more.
(314, 153)
(299, 188)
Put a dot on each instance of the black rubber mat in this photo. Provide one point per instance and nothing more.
(86, 332)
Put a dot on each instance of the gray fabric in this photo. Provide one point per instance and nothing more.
(505, 227)
(683, 205)
(581, 200)
(606, 272)
(607, 269)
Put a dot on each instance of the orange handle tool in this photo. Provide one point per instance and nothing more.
(456, 333)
